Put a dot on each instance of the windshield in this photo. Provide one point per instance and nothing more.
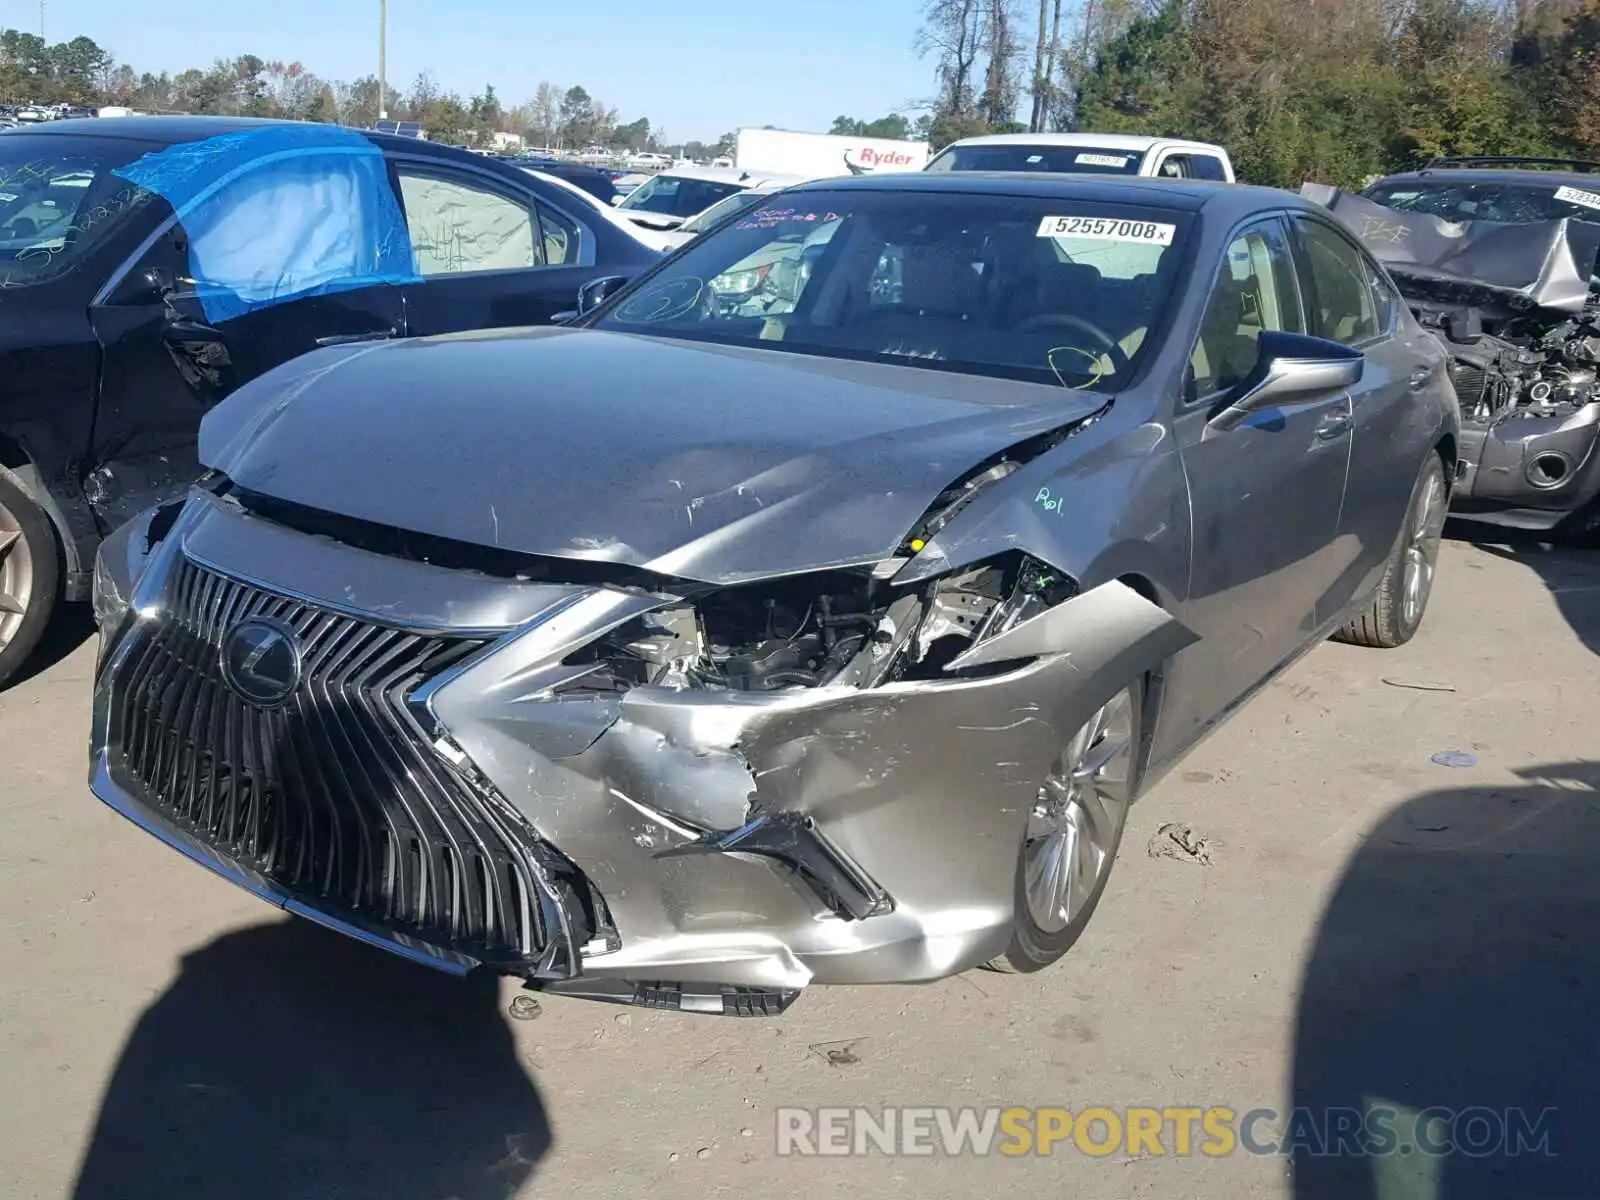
(59, 200)
(1047, 290)
(1059, 160)
(1509, 203)
(721, 210)
(677, 196)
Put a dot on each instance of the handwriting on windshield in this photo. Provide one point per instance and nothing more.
(768, 218)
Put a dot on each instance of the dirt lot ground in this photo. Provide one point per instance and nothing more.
(1372, 928)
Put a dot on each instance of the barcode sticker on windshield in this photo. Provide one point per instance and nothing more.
(1574, 195)
(1108, 229)
(1102, 160)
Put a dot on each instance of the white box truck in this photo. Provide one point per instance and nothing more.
(821, 155)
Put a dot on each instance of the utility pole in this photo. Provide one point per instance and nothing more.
(383, 59)
(41, 20)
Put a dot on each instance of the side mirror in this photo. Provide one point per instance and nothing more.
(148, 287)
(616, 201)
(1288, 366)
(597, 291)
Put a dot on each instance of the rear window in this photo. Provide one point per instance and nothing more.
(58, 201)
(1508, 203)
(677, 196)
(1057, 160)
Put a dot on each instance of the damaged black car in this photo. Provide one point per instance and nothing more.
(809, 612)
(150, 265)
(1496, 256)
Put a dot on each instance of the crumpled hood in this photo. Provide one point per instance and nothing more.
(706, 462)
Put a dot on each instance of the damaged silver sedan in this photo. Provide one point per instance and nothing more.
(700, 651)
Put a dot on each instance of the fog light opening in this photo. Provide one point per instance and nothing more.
(1549, 469)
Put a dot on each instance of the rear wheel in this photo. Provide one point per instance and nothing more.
(1401, 599)
(29, 576)
(1074, 832)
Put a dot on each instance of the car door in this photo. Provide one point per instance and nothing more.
(1264, 496)
(1350, 301)
(295, 253)
(486, 253)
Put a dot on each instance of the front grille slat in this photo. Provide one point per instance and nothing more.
(335, 794)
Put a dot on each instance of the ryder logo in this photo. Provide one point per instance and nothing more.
(868, 159)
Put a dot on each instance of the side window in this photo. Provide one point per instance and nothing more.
(560, 236)
(288, 228)
(1206, 166)
(1255, 291)
(460, 225)
(1388, 299)
(1341, 302)
(1174, 166)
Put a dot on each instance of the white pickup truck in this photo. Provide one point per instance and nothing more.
(1087, 154)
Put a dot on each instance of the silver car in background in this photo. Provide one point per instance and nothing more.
(692, 654)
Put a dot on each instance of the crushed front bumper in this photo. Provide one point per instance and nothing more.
(1529, 472)
(709, 851)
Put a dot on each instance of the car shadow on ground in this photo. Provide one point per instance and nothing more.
(1458, 966)
(289, 1063)
(1570, 573)
(70, 627)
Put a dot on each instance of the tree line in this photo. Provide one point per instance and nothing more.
(1332, 90)
(81, 72)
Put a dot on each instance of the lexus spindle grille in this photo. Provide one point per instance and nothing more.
(333, 794)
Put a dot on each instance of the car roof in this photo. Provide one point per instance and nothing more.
(1133, 142)
(168, 131)
(1190, 195)
(178, 130)
(1588, 180)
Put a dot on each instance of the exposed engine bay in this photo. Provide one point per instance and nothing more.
(846, 628)
(1517, 307)
(1526, 365)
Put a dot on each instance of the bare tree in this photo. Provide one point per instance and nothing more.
(1041, 84)
(952, 31)
(998, 106)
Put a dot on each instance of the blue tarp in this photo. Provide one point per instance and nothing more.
(281, 212)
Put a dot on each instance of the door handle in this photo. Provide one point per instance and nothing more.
(344, 339)
(1332, 426)
(1420, 377)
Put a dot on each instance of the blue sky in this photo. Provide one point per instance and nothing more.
(697, 68)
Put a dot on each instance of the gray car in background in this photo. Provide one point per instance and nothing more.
(694, 653)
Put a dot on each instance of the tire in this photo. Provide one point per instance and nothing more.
(1401, 599)
(30, 576)
(1037, 943)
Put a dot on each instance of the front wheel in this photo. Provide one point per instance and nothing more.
(1073, 835)
(29, 576)
(1401, 599)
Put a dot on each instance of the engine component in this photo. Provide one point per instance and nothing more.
(1531, 364)
(848, 628)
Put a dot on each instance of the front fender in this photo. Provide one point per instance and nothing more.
(1106, 504)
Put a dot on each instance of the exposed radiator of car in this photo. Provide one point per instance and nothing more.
(334, 794)
(1471, 384)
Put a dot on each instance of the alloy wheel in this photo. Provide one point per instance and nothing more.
(1422, 550)
(1074, 827)
(16, 576)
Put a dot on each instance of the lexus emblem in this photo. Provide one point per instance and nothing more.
(261, 661)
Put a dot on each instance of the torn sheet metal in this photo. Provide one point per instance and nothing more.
(925, 785)
(1110, 619)
(280, 212)
(1547, 264)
